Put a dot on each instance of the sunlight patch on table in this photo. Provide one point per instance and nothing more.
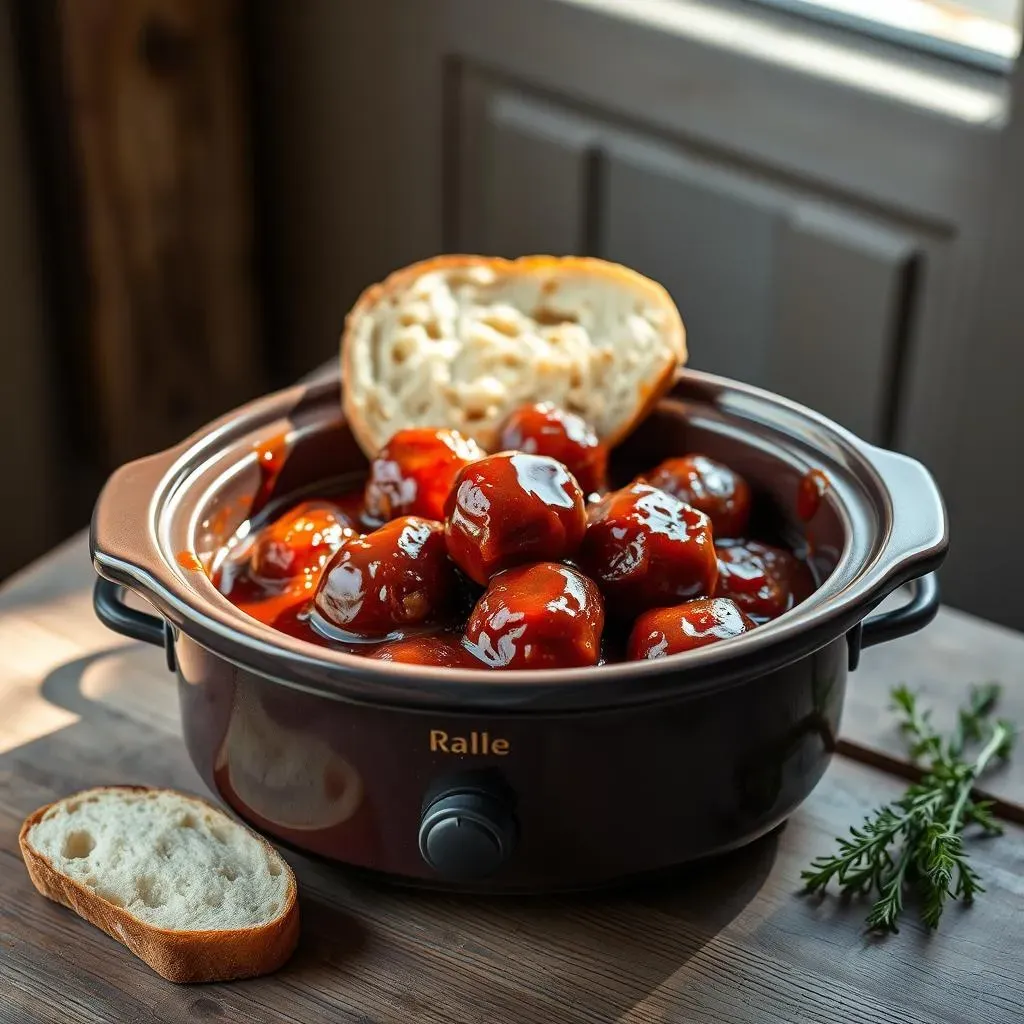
(25, 715)
(130, 681)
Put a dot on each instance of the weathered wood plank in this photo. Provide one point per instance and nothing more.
(158, 116)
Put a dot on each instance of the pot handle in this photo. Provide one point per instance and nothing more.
(130, 622)
(919, 531)
(908, 618)
(119, 537)
(915, 545)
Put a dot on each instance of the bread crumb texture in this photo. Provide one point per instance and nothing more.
(463, 346)
(168, 860)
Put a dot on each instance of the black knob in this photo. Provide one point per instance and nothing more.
(467, 834)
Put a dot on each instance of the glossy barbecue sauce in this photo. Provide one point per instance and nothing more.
(189, 561)
(270, 460)
(513, 568)
(814, 485)
(282, 602)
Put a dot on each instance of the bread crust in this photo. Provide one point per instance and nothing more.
(178, 956)
(399, 280)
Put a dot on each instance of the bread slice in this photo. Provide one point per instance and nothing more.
(463, 341)
(194, 894)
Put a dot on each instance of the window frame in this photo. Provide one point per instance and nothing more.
(919, 42)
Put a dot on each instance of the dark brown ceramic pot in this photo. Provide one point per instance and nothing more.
(516, 781)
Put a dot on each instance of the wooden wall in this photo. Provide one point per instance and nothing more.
(128, 258)
(158, 117)
(29, 506)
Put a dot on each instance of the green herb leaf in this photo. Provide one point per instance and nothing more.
(917, 841)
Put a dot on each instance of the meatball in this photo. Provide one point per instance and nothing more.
(763, 580)
(647, 549)
(414, 471)
(544, 429)
(300, 541)
(722, 495)
(538, 616)
(443, 650)
(513, 508)
(396, 578)
(685, 627)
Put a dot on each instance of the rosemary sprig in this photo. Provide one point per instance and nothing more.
(916, 842)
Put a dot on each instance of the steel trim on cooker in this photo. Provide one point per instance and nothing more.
(333, 753)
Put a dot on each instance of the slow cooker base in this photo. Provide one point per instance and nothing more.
(578, 802)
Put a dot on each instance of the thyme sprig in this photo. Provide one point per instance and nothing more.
(915, 844)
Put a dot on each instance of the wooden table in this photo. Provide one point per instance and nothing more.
(728, 942)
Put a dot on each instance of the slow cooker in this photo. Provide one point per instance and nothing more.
(517, 781)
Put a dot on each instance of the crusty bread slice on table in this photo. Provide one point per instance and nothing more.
(194, 894)
(463, 341)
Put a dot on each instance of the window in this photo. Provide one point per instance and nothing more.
(981, 32)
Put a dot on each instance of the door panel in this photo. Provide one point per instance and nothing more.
(778, 287)
(710, 246)
(534, 181)
(846, 289)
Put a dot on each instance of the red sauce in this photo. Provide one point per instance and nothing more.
(814, 485)
(270, 460)
(520, 571)
(189, 561)
(283, 604)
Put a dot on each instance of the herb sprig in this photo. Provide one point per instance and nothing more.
(916, 843)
